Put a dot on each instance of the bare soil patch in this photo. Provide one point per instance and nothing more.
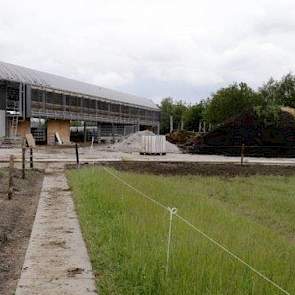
(192, 168)
(16, 221)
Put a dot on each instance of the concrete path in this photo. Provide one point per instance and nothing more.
(56, 261)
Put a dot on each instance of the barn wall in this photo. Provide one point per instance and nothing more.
(23, 128)
(60, 126)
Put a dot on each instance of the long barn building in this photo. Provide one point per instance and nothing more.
(28, 96)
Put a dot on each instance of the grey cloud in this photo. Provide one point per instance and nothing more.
(185, 49)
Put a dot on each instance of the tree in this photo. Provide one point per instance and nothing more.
(269, 102)
(230, 101)
(170, 108)
(269, 92)
(286, 90)
(280, 92)
(166, 110)
(179, 110)
(193, 116)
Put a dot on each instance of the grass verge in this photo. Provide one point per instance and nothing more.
(127, 235)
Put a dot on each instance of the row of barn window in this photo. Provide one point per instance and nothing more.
(74, 103)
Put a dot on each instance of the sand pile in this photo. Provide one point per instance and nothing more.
(133, 143)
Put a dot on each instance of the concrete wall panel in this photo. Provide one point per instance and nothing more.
(23, 128)
(2, 123)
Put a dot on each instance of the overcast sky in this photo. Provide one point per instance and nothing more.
(152, 48)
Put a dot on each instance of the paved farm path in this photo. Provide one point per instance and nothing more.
(56, 261)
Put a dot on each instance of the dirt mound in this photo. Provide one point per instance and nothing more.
(134, 141)
(267, 139)
(180, 137)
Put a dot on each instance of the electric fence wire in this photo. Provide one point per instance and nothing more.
(217, 244)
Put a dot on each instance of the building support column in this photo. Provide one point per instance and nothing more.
(2, 123)
(85, 131)
(7, 122)
(158, 129)
(113, 132)
(98, 132)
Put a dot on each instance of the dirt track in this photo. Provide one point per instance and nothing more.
(186, 168)
(16, 220)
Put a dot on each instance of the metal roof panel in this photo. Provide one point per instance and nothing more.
(42, 79)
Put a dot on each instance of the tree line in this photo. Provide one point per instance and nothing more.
(230, 101)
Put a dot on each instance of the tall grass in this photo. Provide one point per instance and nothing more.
(127, 235)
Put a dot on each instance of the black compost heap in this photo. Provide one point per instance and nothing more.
(270, 139)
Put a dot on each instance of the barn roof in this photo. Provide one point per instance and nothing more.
(21, 74)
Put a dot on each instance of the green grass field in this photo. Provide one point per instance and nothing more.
(127, 235)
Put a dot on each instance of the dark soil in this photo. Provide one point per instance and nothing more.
(186, 168)
(16, 220)
(275, 139)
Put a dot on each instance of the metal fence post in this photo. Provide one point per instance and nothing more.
(31, 158)
(77, 156)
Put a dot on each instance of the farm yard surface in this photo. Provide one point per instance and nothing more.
(248, 209)
(16, 220)
(53, 154)
(125, 221)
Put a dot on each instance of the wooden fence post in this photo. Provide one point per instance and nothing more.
(242, 154)
(10, 180)
(24, 159)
